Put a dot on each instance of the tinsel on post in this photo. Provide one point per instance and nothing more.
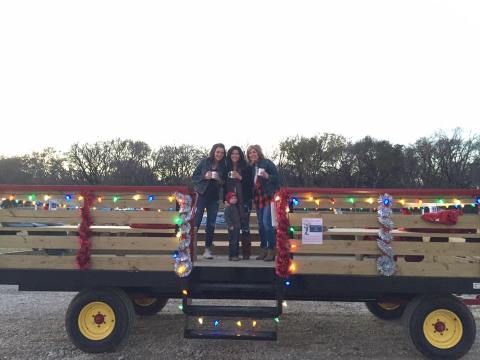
(84, 232)
(385, 263)
(183, 258)
(283, 259)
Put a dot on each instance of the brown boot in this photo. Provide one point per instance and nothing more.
(246, 245)
(270, 255)
(263, 254)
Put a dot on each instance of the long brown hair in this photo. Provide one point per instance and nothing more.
(211, 155)
(258, 148)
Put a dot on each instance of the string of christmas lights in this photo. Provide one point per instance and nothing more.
(183, 260)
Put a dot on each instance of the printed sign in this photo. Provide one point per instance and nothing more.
(312, 231)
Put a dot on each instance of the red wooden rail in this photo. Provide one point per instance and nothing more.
(93, 188)
(376, 191)
(291, 190)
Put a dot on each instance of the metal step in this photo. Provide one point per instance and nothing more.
(219, 287)
(230, 334)
(254, 312)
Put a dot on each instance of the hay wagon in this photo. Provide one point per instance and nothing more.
(405, 253)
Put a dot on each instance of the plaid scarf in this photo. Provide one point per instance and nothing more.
(261, 197)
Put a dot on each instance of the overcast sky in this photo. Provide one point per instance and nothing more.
(235, 71)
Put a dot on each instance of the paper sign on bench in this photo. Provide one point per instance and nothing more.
(312, 231)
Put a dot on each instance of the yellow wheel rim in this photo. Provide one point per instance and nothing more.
(144, 302)
(443, 329)
(96, 321)
(389, 306)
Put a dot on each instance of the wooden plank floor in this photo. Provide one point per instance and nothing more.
(222, 261)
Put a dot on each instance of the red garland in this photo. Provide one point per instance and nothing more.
(446, 217)
(83, 254)
(283, 259)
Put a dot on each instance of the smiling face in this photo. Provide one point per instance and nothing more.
(253, 155)
(219, 154)
(235, 156)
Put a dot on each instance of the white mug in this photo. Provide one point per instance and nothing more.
(260, 171)
(214, 175)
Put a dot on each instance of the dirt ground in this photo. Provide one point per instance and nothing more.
(32, 327)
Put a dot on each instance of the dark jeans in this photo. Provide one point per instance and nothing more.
(245, 217)
(233, 237)
(265, 228)
(212, 210)
(246, 239)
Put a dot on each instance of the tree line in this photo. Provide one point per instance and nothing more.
(324, 160)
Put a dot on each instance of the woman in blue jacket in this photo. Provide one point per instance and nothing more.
(266, 184)
(207, 182)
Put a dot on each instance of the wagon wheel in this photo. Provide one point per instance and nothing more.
(440, 327)
(147, 306)
(386, 310)
(98, 320)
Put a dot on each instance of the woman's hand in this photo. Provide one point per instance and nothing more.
(265, 175)
(208, 175)
(236, 175)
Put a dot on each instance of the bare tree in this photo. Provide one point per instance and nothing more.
(306, 161)
(174, 165)
(91, 163)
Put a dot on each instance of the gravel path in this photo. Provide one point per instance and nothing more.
(32, 327)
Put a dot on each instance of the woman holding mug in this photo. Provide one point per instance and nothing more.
(266, 184)
(207, 182)
(239, 180)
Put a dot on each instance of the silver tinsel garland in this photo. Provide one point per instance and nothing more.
(386, 263)
(183, 258)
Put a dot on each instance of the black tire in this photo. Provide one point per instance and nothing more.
(119, 304)
(128, 303)
(150, 307)
(386, 311)
(416, 315)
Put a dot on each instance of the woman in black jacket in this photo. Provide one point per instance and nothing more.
(239, 180)
(207, 182)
